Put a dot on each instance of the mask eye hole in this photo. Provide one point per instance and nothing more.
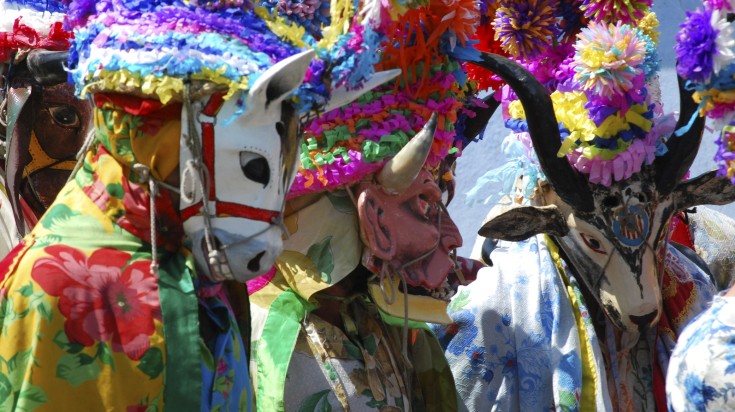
(255, 167)
(593, 244)
(611, 202)
(65, 116)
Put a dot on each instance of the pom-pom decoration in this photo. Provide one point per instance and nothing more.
(608, 59)
(696, 45)
(705, 53)
(596, 67)
(525, 28)
(613, 11)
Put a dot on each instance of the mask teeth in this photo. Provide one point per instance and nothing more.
(443, 292)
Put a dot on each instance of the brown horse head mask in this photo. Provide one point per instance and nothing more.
(46, 127)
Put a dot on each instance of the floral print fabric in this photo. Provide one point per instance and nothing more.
(361, 373)
(85, 323)
(101, 301)
(701, 374)
(515, 344)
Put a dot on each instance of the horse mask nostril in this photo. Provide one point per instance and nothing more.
(644, 320)
(254, 264)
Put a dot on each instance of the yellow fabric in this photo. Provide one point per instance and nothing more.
(300, 273)
(588, 399)
(420, 308)
(157, 147)
(160, 151)
(42, 320)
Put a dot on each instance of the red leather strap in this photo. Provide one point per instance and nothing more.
(221, 209)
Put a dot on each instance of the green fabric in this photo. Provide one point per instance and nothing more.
(394, 321)
(435, 378)
(276, 346)
(183, 375)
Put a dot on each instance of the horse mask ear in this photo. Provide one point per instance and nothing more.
(278, 82)
(377, 235)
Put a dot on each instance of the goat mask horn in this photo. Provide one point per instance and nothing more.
(544, 130)
(401, 170)
(475, 125)
(671, 167)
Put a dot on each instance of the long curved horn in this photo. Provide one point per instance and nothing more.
(475, 125)
(400, 171)
(671, 167)
(544, 130)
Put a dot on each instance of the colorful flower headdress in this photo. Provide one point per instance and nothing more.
(705, 51)
(151, 48)
(29, 25)
(428, 41)
(598, 60)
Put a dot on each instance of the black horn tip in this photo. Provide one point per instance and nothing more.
(48, 67)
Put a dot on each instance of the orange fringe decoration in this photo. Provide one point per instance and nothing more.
(424, 27)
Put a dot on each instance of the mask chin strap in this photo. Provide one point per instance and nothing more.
(198, 173)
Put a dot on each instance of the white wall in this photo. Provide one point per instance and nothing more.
(485, 155)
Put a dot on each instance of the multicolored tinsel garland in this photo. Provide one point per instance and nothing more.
(428, 42)
(151, 48)
(28, 25)
(705, 50)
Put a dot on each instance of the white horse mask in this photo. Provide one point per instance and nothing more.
(244, 169)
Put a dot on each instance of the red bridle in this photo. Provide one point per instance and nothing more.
(221, 209)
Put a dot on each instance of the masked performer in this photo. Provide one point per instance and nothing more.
(44, 123)
(338, 322)
(121, 298)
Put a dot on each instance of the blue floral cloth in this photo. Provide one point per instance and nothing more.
(510, 350)
(701, 375)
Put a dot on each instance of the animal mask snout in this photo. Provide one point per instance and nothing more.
(645, 320)
(254, 263)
